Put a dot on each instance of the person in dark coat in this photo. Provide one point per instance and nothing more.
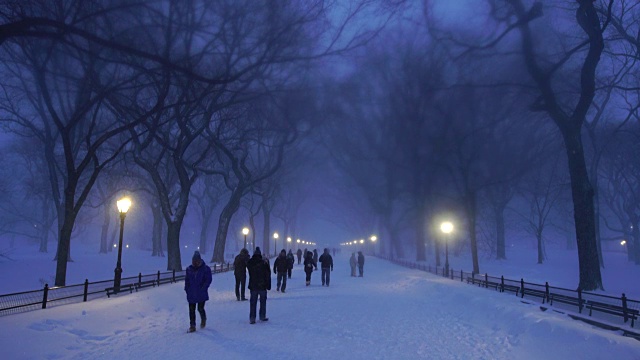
(360, 263)
(327, 266)
(290, 261)
(315, 258)
(259, 284)
(196, 284)
(240, 273)
(353, 262)
(280, 267)
(299, 253)
(309, 264)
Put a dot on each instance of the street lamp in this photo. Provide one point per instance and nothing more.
(123, 206)
(288, 242)
(275, 243)
(245, 232)
(446, 227)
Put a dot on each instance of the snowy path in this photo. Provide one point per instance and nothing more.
(391, 313)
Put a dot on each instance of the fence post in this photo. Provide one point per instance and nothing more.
(228, 266)
(173, 275)
(502, 283)
(546, 291)
(473, 278)
(624, 308)
(451, 274)
(461, 276)
(86, 289)
(158, 277)
(486, 280)
(45, 295)
(214, 268)
(521, 288)
(139, 279)
(580, 301)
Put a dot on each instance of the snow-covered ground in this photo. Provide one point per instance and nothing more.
(391, 313)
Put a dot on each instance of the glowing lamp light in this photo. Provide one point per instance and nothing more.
(275, 235)
(446, 227)
(123, 205)
(361, 241)
(115, 245)
(245, 231)
(373, 238)
(298, 241)
(288, 239)
(623, 242)
(127, 246)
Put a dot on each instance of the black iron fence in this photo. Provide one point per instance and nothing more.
(606, 307)
(60, 295)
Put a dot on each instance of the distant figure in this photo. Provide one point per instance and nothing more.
(299, 253)
(309, 264)
(315, 258)
(327, 266)
(352, 263)
(360, 263)
(240, 273)
(196, 284)
(290, 261)
(259, 283)
(280, 266)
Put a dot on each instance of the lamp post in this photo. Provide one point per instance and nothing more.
(446, 228)
(245, 232)
(288, 242)
(298, 242)
(275, 243)
(123, 206)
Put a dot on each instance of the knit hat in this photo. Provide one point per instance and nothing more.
(257, 252)
(283, 251)
(196, 256)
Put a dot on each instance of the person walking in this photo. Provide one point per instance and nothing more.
(259, 284)
(196, 284)
(360, 263)
(315, 258)
(280, 267)
(299, 253)
(290, 261)
(352, 263)
(327, 266)
(240, 273)
(309, 264)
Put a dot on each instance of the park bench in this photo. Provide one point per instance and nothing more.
(613, 310)
(512, 288)
(533, 292)
(144, 284)
(482, 283)
(111, 290)
(565, 299)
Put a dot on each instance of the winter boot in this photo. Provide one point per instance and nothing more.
(192, 328)
(265, 319)
(203, 323)
(308, 282)
(252, 321)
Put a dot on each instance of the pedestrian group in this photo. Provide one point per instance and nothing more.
(198, 278)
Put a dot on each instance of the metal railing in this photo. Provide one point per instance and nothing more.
(605, 307)
(61, 295)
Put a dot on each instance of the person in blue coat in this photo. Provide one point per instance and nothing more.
(196, 284)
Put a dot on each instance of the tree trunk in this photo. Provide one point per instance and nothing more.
(438, 250)
(267, 230)
(596, 213)
(156, 236)
(64, 249)
(223, 226)
(635, 233)
(501, 252)
(104, 233)
(174, 262)
(540, 249)
(471, 219)
(583, 211)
